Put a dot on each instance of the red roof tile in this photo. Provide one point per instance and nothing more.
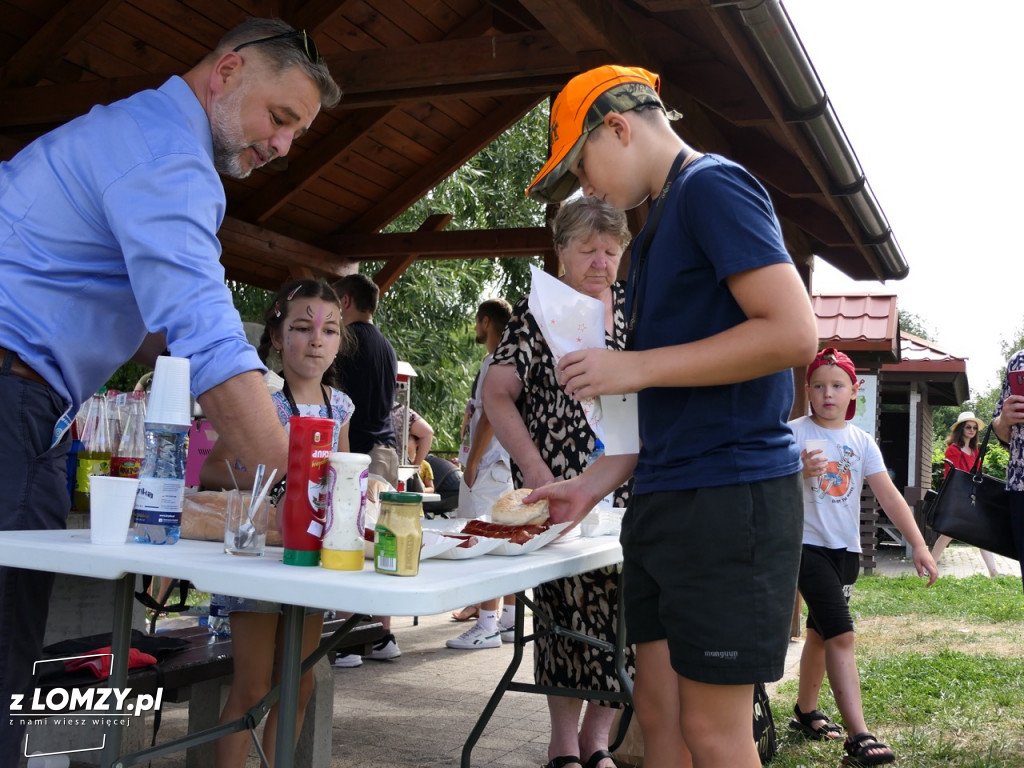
(866, 326)
(866, 322)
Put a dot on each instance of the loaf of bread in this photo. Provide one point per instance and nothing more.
(202, 518)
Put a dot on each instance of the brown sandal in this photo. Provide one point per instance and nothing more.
(469, 613)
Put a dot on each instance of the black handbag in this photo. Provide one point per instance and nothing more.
(764, 725)
(974, 508)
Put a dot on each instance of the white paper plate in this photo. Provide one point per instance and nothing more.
(445, 524)
(483, 546)
(435, 544)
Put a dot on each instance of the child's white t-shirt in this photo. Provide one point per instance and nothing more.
(832, 501)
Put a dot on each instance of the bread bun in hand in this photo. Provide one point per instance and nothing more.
(510, 510)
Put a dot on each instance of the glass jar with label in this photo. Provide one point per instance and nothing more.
(398, 534)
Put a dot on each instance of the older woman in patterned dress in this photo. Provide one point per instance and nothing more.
(548, 438)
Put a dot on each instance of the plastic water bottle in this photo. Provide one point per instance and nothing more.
(609, 500)
(162, 478)
(218, 624)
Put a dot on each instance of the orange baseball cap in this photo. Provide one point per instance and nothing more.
(578, 110)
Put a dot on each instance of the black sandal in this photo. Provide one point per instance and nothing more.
(597, 757)
(803, 722)
(562, 761)
(859, 751)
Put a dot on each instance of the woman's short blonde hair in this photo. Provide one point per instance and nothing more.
(587, 216)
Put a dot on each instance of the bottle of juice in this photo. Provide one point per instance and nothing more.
(94, 457)
(127, 459)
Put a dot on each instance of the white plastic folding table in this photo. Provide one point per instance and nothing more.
(442, 585)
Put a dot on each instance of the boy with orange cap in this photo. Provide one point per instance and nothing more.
(718, 317)
(833, 479)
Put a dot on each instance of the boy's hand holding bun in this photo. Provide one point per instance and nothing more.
(566, 500)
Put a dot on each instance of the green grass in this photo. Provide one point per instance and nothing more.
(942, 675)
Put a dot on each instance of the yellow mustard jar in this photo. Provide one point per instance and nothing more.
(398, 534)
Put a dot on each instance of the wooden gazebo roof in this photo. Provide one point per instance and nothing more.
(428, 83)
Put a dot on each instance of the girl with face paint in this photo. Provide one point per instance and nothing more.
(303, 326)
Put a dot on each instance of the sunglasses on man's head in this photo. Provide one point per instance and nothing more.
(299, 35)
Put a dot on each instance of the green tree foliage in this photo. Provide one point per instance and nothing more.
(915, 325)
(428, 313)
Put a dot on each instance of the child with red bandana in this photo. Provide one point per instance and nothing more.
(830, 562)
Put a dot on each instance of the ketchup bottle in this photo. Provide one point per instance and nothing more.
(310, 442)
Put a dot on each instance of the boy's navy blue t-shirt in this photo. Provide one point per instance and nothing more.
(718, 221)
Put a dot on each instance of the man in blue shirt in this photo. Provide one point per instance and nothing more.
(109, 252)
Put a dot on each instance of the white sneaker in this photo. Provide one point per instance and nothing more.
(385, 649)
(475, 637)
(348, 661)
(508, 634)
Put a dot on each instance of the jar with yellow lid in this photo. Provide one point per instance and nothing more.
(398, 534)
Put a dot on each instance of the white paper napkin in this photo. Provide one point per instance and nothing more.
(569, 320)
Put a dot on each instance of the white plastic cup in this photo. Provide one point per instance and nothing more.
(815, 445)
(111, 502)
(170, 400)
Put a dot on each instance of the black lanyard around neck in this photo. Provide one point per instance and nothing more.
(295, 408)
(639, 255)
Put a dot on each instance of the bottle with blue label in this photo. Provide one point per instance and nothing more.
(162, 478)
(609, 500)
(218, 623)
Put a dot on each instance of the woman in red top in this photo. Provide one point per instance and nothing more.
(961, 452)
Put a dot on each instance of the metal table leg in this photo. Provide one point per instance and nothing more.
(625, 696)
(255, 715)
(503, 684)
(288, 707)
(120, 644)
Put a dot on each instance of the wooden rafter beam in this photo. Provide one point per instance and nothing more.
(396, 265)
(593, 25)
(458, 244)
(55, 104)
(369, 79)
(55, 38)
(451, 63)
(431, 174)
(263, 204)
(241, 238)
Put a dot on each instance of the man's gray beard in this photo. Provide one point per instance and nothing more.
(226, 133)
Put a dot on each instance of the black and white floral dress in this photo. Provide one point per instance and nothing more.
(586, 603)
